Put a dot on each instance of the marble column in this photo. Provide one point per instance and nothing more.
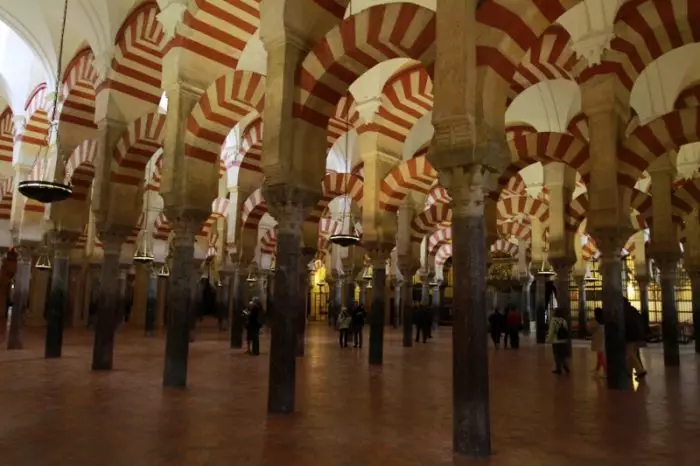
(223, 299)
(57, 304)
(151, 314)
(695, 284)
(378, 308)
(643, 283)
(183, 276)
(562, 267)
(407, 310)
(669, 314)
(582, 314)
(540, 307)
(610, 246)
(161, 301)
(350, 292)
(307, 255)
(239, 303)
(142, 276)
(109, 302)
(471, 417)
(525, 305)
(20, 298)
(425, 289)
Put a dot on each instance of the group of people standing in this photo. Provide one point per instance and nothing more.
(508, 323)
(351, 321)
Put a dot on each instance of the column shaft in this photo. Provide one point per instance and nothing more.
(20, 298)
(470, 372)
(695, 283)
(540, 308)
(239, 284)
(108, 306)
(57, 303)
(644, 302)
(152, 304)
(377, 313)
(614, 318)
(582, 315)
(669, 314)
(283, 319)
(407, 312)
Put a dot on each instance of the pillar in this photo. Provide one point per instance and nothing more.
(57, 304)
(161, 301)
(610, 246)
(582, 315)
(185, 226)
(307, 255)
(669, 314)
(236, 320)
(378, 254)
(108, 311)
(289, 205)
(643, 283)
(142, 277)
(350, 291)
(151, 314)
(425, 289)
(540, 307)
(15, 324)
(695, 284)
(562, 267)
(223, 299)
(525, 304)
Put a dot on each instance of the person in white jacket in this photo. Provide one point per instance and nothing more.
(344, 321)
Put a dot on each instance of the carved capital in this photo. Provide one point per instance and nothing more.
(610, 241)
(102, 63)
(290, 205)
(467, 186)
(26, 250)
(63, 241)
(185, 223)
(113, 237)
(460, 142)
(378, 252)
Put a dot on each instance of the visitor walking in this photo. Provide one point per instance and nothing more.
(358, 322)
(597, 331)
(496, 327)
(253, 317)
(559, 338)
(344, 322)
(514, 324)
(423, 323)
(634, 339)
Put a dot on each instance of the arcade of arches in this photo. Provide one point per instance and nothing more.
(485, 152)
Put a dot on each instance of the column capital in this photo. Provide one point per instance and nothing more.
(562, 263)
(185, 223)
(467, 185)
(63, 241)
(664, 254)
(113, 237)
(611, 240)
(378, 251)
(290, 205)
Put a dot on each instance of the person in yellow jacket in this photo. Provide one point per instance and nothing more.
(558, 337)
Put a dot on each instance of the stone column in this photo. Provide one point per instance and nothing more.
(562, 267)
(223, 299)
(57, 304)
(378, 254)
(350, 291)
(525, 304)
(151, 314)
(161, 301)
(20, 298)
(185, 226)
(582, 315)
(668, 264)
(643, 283)
(610, 244)
(289, 205)
(425, 289)
(307, 255)
(108, 308)
(142, 275)
(695, 284)
(239, 304)
(540, 307)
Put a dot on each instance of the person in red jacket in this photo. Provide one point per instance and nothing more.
(514, 324)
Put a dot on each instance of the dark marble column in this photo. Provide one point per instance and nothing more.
(610, 246)
(562, 267)
(540, 308)
(180, 293)
(109, 302)
(669, 314)
(525, 305)
(307, 255)
(239, 285)
(223, 300)
(290, 206)
(57, 304)
(377, 311)
(407, 310)
(151, 303)
(695, 284)
(470, 372)
(582, 315)
(20, 298)
(425, 289)
(350, 292)
(644, 300)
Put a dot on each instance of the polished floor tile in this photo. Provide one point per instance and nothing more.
(58, 412)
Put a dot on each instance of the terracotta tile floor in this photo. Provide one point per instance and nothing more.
(59, 413)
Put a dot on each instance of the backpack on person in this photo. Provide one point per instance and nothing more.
(562, 331)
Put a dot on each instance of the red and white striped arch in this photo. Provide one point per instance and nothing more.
(521, 229)
(650, 141)
(38, 108)
(437, 194)
(78, 92)
(407, 97)
(501, 246)
(687, 196)
(689, 97)
(7, 187)
(162, 227)
(644, 31)
(140, 141)
(515, 187)
(514, 206)
(251, 148)
(217, 30)
(219, 209)
(590, 251)
(551, 57)
(358, 43)
(442, 255)
(428, 220)
(335, 185)
(438, 238)
(268, 242)
(578, 210)
(136, 66)
(227, 101)
(514, 130)
(345, 118)
(412, 175)
(253, 210)
(7, 130)
(578, 126)
(80, 169)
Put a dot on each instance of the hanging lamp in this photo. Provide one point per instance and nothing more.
(39, 189)
(43, 262)
(144, 252)
(163, 270)
(351, 237)
(546, 268)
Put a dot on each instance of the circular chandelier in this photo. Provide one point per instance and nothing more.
(350, 237)
(40, 189)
